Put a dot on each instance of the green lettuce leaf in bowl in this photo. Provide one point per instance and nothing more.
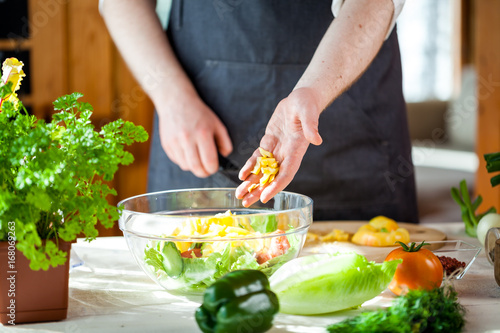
(193, 274)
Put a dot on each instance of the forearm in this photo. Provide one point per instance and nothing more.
(138, 35)
(347, 48)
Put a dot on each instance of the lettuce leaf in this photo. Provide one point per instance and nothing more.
(264, 223)
(154, 258)
(198, 273)
(326, 283)
(243, 259)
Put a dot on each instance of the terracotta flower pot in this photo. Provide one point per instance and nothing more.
(31, 296)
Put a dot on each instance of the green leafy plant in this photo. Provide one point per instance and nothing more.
(469, 207)
(420, 310)
(53, 174)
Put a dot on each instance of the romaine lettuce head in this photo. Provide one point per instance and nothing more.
(324, 283)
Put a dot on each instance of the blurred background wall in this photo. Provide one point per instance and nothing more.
(66, 48)
(451, 67)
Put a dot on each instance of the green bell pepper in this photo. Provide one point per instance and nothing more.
(240, 301)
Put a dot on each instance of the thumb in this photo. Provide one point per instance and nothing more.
(310, 129)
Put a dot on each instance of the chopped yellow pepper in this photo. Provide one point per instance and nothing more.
(224, 225)
(265, 153)
(380, 231)
(336, 235)
(266, 164)
(253, 187)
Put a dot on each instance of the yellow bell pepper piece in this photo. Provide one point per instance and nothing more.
(336, 235)
(381, 222)
(253, 187)
(265, 153)
(380, 231)
(256, 168)
(266, 164)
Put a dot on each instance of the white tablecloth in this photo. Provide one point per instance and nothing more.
(110, 293)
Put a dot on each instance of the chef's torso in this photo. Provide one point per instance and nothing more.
(245, 56)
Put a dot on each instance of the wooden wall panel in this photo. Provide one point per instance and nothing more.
(71, 50)
(49, 54)
(90, 57)
(131, 103)
(487, 61)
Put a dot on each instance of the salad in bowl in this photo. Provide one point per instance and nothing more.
(186, 239)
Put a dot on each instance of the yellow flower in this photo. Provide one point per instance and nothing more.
(12, 70)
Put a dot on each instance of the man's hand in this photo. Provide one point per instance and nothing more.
(191, 135)
(349, 45)
(190, 132)
(293, 126)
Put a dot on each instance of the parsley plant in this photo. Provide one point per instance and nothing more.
(53, 175)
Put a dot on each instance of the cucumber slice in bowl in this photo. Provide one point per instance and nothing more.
(172, 260)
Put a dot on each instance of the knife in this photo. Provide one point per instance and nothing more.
(228, 169)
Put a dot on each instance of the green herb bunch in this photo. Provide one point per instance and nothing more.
(436, 310)
(468, 207)
(53, 175)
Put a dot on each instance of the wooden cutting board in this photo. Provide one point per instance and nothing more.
(417, 232)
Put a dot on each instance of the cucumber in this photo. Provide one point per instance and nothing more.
(172, 260)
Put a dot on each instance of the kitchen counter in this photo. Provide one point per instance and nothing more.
(110, 293)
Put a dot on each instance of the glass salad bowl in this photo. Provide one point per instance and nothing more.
(186, 239)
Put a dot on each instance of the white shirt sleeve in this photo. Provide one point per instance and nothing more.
(398, 7)
(163, 6)
(162, 10)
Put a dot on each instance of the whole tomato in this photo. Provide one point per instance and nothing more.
(421, 269)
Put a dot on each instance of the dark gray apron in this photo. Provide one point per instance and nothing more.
(245, 56)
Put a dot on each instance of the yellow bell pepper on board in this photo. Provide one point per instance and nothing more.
(381, 231)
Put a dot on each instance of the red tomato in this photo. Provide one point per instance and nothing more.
(421, 269)
(189, 253)
(278, 246)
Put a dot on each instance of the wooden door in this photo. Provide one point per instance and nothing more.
(486, 19)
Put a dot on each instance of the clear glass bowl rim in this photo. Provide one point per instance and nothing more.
(308, 205)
